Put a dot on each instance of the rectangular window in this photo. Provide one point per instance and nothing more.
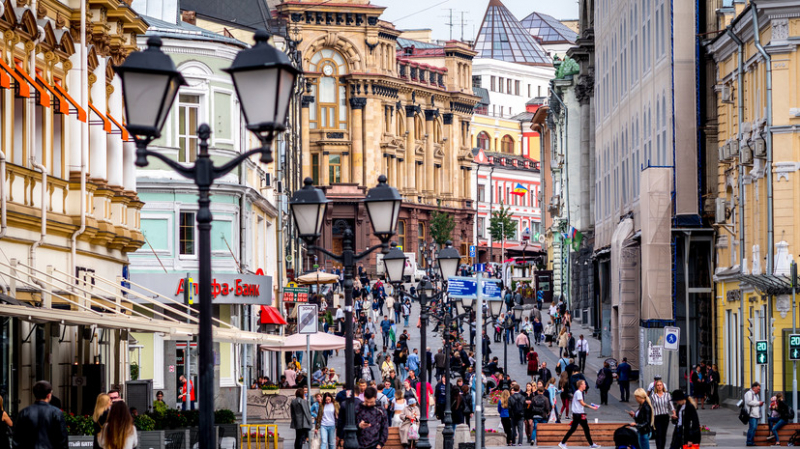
(529, 90)
(492, 86)
(661, 38)
(401, 233)
(516, 87)
(481, 193)
(315, 168)
(500, 84)
(509, 91)
(186, 234)
(481, 227)
(334, 169)
(515, 227)
(421, 245)
(538, 91)
(188, 120)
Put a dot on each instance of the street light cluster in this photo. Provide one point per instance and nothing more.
(264, 80)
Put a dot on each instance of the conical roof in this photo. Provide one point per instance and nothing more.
(548, 30)
(502, 37)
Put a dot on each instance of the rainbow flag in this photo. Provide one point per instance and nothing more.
(519, 190)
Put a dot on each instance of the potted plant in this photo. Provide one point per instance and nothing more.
(327, 387)
(80, 428)
(148, 435)
(225, 420)
(708, 436)
(269, 389)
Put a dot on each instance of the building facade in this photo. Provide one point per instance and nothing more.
(69, 211)
(647, 190)
(244, 242)
(374, 107)
(757, 179)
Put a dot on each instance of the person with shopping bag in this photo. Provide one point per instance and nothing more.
(301, 418)
(409, 428)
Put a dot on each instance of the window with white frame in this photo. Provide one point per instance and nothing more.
(188, 121)
(186, 234)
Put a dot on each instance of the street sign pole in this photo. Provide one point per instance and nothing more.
(478, 379)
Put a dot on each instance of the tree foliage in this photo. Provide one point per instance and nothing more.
(501, 227)
(442, 225)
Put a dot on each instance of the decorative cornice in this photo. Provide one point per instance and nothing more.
(306, 100)
(431, 114)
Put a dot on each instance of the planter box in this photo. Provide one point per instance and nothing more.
(495, 438)
(151, 440)
(80, 441)
(708, 438)
(267, 392)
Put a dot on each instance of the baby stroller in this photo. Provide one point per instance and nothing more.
(626, 437)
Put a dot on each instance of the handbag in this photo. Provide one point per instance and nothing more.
(413, 431)
(553, 418)
(315, 440)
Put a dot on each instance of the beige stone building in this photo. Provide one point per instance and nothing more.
(378, 105)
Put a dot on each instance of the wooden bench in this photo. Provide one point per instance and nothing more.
(551, 434)
(785, 432)
(393, 442)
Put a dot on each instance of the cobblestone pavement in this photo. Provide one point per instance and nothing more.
(724, 420)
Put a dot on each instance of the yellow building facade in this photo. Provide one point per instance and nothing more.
(756, 234)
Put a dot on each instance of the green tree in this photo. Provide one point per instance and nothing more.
(500, 225)
(442, 225)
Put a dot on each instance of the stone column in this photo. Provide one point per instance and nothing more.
(583, 92)
(347, 175)
(129, 171)
(411, 160)
(305, 139)
(114, 141)
(451, 174)
(430, 183)
(324, 178)
(357, 137)
(98, 158)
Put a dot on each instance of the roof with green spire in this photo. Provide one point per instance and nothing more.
(503, 37)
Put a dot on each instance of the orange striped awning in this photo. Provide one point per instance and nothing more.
(43, 97)
(63, 107)
(105, 121)
(122, 129)
(78, 109)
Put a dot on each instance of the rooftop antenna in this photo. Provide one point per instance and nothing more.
(450, 23)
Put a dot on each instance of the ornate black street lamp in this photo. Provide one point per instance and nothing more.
(150, 83)
(308, 209)
(447, 260)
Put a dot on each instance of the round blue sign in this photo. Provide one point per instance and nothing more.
(671, 339)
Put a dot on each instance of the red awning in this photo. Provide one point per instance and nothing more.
(270, 315)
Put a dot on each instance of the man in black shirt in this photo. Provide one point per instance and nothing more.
(40, 425)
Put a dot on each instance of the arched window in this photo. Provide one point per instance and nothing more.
(483, 141)
(330, 107)
(400, 121)
(507, 144)
(419, 127)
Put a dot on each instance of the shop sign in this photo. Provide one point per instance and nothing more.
(225, 288)
(293, 293)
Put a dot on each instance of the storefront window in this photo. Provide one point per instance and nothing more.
(334, 169)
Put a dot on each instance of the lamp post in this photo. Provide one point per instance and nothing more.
(447, 260)
(383, 207)
(495, 307)
(264, 80)
(526, 237)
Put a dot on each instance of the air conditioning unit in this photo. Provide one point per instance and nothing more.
(721, 211)
(555, 201)
(760, 148)
(725, 93)
(746, 153)
(722, 150)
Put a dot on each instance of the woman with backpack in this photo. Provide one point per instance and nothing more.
(505, 416)
(605, 378)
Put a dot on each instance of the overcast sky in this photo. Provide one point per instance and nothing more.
(435, 14)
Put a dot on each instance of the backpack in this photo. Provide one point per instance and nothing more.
(795, 439)
(540, 406)
(789, 415)
(601, 378)
(516, 406)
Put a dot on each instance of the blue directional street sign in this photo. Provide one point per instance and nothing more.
(462, 287)
(471, 250)
(467, 287)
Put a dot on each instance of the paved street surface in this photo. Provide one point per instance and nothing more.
(723, 421)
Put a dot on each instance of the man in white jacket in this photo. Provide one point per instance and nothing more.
(753, 402)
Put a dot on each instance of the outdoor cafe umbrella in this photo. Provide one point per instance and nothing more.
(317, 277)
(320, 341)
